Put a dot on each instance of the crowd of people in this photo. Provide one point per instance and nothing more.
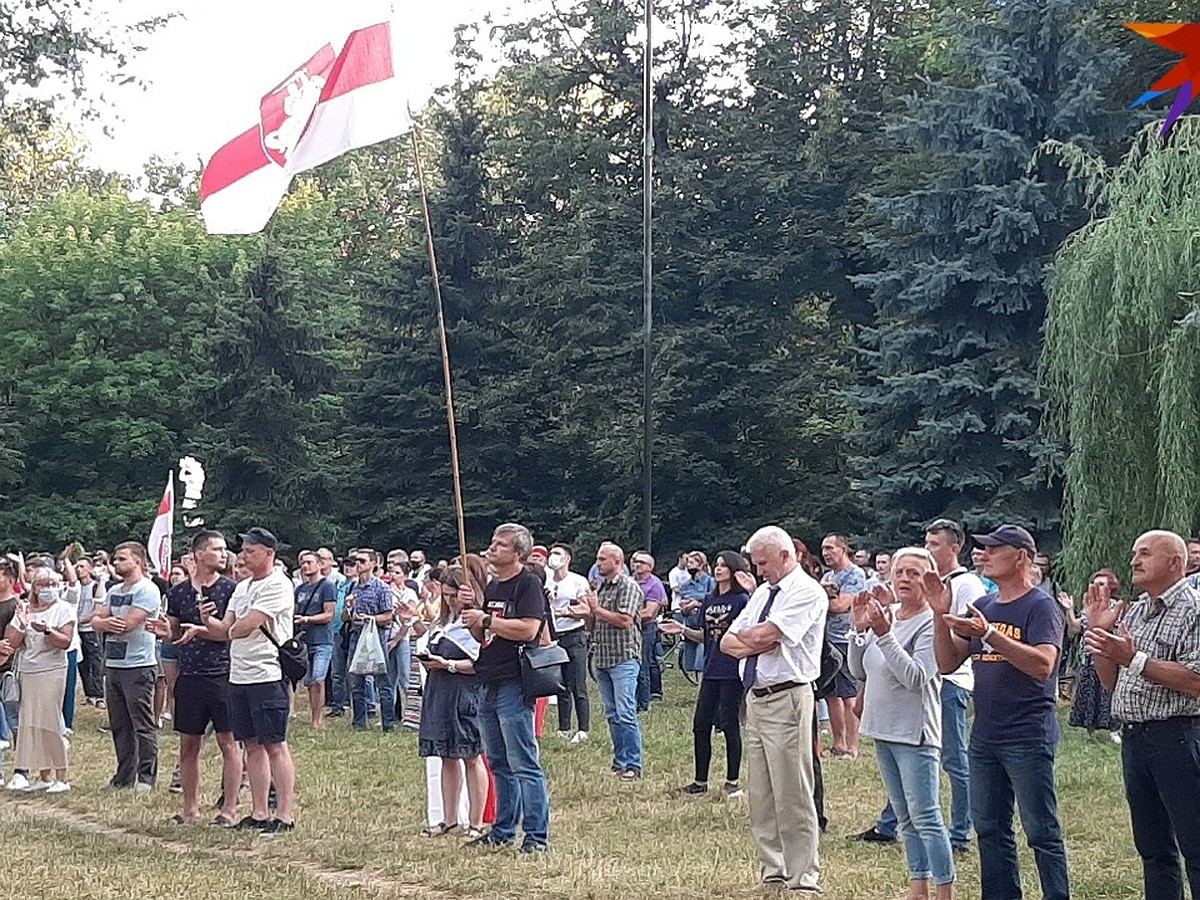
(896, 646)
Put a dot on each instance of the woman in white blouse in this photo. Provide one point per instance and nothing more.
(892, 649)
(42, 635)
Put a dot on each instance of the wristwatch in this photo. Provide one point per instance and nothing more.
(487, 622)
(1138, 663)
(452, 667)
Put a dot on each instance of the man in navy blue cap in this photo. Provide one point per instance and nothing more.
(1013, 638)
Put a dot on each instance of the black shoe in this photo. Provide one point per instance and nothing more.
(961, 849)
(654, 697)
(277, 826)
(871, 836)
(533, 847)
(485, 842)
(336, 713)
(696, 788)
(249, 823)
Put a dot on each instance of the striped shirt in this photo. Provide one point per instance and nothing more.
(615, 645)
(1165, 628)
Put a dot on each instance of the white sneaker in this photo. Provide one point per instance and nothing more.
(565, 735)
(17, 783)
(59, 787)
(40, 785)
(580, 737)
(1115, 737)
(4, 745)
(142, 788)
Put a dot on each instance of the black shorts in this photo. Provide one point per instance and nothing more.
(845, 685)
(259, 712)
(200, 699)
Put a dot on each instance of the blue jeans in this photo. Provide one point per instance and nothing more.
(399, 664)
(385, 685)
(955, 761)
(339, 697)
(1024, 773)
(68, 706)
(618, 691)
(910, 774)
(506, 721)
(649, 662)
(954, 764)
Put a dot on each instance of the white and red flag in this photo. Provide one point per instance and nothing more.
(329, 105)
(163, 530)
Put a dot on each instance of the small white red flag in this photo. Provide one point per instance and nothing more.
(163, 530)
(329, 105)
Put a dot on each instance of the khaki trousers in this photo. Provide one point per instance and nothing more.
(783, 816)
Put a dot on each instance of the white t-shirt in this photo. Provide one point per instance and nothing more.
(562, 595)
(799, 611)
(254, 659)
(966, 588)
(39, 655)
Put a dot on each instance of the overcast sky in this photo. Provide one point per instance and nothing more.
(207, 69)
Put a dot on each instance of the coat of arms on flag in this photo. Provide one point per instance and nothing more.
(327, 106)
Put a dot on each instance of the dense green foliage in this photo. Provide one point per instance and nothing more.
(1123, 352)
(853, 228)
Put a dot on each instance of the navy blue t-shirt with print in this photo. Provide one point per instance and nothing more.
(719, 612)
(1010, 706)
(200, 656)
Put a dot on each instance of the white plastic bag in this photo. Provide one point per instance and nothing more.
(368, 653)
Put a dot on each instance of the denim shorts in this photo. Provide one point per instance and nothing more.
(319, 657)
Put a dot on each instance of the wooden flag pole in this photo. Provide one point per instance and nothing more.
(441, 318)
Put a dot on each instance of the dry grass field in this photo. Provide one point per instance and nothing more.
(361, 806)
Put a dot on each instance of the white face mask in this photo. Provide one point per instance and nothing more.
(556, 561)
(48, 594)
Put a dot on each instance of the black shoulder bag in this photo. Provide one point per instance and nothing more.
(293, 657)
(542, 664)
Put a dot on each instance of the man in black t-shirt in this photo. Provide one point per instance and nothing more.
(515, 608)
(203, 684)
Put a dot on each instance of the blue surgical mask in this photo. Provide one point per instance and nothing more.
(48, 595)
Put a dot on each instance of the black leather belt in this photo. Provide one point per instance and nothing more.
(776, 688)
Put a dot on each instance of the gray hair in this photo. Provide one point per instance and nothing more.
(522, 539)
(615, 548)
(772, 537)
(919, 552)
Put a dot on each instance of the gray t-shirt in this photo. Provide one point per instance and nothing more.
(132, 649)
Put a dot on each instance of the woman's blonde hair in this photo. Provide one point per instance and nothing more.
(920, 552)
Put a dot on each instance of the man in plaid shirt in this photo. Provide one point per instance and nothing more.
(613, 614)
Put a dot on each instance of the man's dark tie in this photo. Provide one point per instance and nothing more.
(751, 668)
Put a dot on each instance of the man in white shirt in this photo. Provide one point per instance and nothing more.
(258, 695)
(778, 638)
(565, 588)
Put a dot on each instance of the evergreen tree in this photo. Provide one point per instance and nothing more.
(950, 415)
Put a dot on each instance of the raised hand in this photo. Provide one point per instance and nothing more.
(1102, 613)
(745, 581)
(881, 617)
(860, 611)
(937, 593)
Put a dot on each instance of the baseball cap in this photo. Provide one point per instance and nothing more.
(1007, 536)
(260, 536)
(539, 548)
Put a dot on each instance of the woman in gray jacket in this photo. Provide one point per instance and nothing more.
(892, 649)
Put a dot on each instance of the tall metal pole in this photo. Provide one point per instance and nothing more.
(647, 273)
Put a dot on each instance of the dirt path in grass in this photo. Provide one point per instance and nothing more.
(376, 883)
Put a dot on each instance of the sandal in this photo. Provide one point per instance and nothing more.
(472, 833)
(223, 821)
(178, 819)
(441, 828)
